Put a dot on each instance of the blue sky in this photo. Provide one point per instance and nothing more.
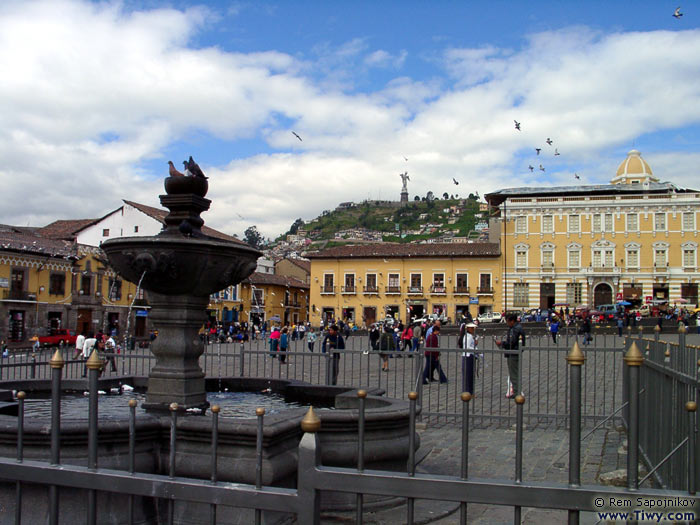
(102, 94)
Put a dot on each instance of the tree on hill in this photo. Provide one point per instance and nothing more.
(416, 198)
(296, 225)
(252, 236)
(445, 195)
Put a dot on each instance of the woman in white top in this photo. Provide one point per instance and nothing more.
(469, 358)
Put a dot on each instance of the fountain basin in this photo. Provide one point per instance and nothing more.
(386, 443)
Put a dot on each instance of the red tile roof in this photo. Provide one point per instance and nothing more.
(159, 215)
(301, 263)
(271, 278)
(64, 229)
(29, 243)
(476, 249)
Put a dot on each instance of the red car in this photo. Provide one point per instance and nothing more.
(61, 335)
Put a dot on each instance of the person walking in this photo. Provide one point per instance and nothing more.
(111, 350)
(407, 338)
(469, 356)
(88, 347)
(333, 343)
(417, 334)
(311, 339)
(585, 330)
(374, 335)
(386, 344)
(274, 341)
(511, 342)
(79, 342)
(284, 345)
(554, 328)
(432, 357)
(620, 325)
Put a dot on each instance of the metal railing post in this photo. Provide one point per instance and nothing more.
(329, 365)
(171, 469)
(215, 409)
(94, 364)
(309, 460)
(20, 454)
(56, 363)
(466, 398)
(32, 370)
(132, 452)
(519, 402)
(242, 361)
(633, 361)
(691, 407)
(412, 397)
(260, 414)
(575, 360)
(361, 395)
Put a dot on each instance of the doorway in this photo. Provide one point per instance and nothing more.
(547, 291)
(16, 325)
(602, 294)
(84, 321)
(369, 315)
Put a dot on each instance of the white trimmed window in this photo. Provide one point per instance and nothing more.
(574, 224)
(689, 254)
(660, 257)
(574, 259)
(521, 258)
(547, 258)
(660, 222)
(521, 224)
(547, 224)
(574, 293)
(521, 294)
(632, 257)
(596, 223)
(632, 222)
(688, 221)
(608, 222)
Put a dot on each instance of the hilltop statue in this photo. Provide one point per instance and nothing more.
(404, 178)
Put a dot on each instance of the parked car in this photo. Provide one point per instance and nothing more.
(62, 335)
(608, 310)
(644, 310)
(489, 317)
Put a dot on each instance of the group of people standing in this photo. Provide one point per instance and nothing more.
(104, 344)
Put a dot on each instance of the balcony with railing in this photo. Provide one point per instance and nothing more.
(291, 304)
(415, 290)
(18, 295)
(371, 289)
(330, 290)
(438, 289)
(392, 289)
(351, 289)
(461, 290)
(484, 291)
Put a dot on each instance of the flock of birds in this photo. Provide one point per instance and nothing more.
(192, 169)
(549, 142)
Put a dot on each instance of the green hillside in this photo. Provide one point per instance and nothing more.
(399, 224)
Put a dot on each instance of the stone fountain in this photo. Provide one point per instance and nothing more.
(179, 268)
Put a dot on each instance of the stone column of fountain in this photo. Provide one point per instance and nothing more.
(180, 267)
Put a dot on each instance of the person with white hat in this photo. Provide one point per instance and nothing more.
(469, 357)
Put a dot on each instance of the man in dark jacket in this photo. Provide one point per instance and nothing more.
(511, 342)
(332, 343)
(432, 357)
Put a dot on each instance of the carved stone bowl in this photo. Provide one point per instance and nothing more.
(183, 185)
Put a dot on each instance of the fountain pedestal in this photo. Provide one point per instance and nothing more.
(177, 376)
(179, 268)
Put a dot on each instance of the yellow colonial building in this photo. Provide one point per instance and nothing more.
(634, 239)
(47, 284)
(274, 298)
(365, 283)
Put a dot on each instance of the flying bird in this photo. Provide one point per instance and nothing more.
(194, 168)
(541, 167)
(406, 159)
(576, 175)
(517, 125)
(297, 136)
(173, 171)
(556, 152)
(531, 167)
(677, 13)
(455, 181)
(549, 141)
(538, 150)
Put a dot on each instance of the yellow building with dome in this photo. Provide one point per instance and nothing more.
(634, 239)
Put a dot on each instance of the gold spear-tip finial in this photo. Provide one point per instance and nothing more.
(132, 403)
(681, 328)
(94, 362)
(21, 395)
(311, 422)
(57, 360)
(657, 328)
(466, 396)
(575, 356)
(215, 409)
(174, 407)
(362, 394)
(691, 406)
(520, 399)
(634, 357)
(413, 395)
(260, 411)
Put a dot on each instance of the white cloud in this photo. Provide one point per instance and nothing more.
(94, 91)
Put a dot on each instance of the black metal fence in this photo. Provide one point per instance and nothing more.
(312, 477)
(544, 379)
(669, 385)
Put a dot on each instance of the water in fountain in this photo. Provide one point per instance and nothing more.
(128, 314)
